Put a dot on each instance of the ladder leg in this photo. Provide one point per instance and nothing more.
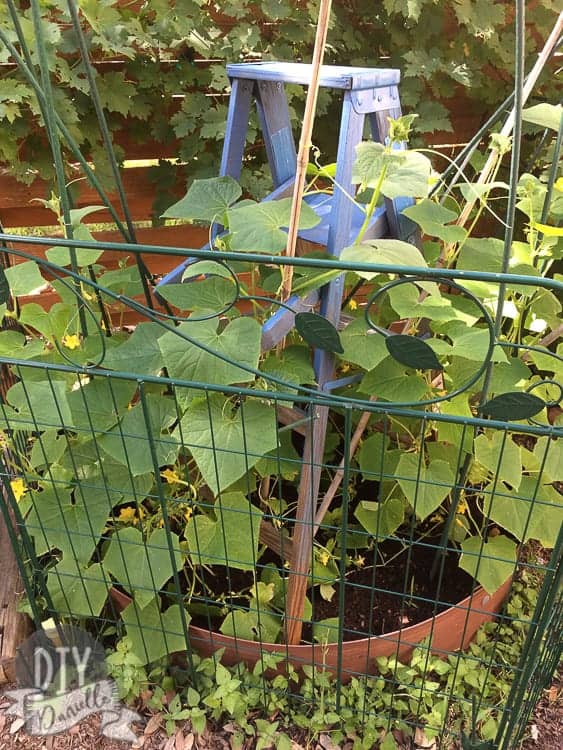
(276, 127)
(237, 125)
(331, 299)
(302, 540)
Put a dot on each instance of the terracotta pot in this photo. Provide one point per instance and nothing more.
(451, 630)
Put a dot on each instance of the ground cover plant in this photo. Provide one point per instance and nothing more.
(406, 702)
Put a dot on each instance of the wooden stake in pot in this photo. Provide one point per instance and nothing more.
(305, 143)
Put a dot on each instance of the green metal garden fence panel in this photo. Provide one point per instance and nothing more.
(540, 659)
(156, 505)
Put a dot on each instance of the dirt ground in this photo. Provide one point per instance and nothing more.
(544, 733)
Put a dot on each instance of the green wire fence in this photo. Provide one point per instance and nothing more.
(160, 507)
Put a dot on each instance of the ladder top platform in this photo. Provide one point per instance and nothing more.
(332, 76)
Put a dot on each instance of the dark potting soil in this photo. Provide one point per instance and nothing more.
(395, 595)
(376, 600)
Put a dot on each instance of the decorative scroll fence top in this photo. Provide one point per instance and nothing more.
(216, 289)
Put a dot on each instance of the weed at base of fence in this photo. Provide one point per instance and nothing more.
(374, 711)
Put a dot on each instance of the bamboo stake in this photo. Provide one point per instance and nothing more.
(339, 476)
(305, 143)
(491, 162)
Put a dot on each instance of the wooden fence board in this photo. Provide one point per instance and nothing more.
(14, 626)
(18, 207)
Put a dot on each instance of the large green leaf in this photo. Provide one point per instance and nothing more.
(77, 590)
(549, 456)
(126, 280)
(407, 303)
(433, 219)
(490, 563)
(283, 461)
(473, 343)
(24, 278)
(226, 442)
(425, 487)
(36, 317)
(48, 447)
(208, 268)
(107, 481)
(231, 538)
(14, 344)
(545, 115)
(428, 211)
(239, 342)
(59, 321)
(11, 341)
(409, 175)
(261, 626)
(373, 457)
(41, 404)
(71, 524)
(500, 455)
(508, 376)
(546, 309)
(214, 293)
(85, 256)
(206, 200)
(96, 405)
(140, 354)
(548, 363)
(99, 476)
(534, 511)
(154, 633)
(129, 443)
(292, 365)
(141, 566)
(481, 254)
(258, 227)
(381, 520)
(391, 381)
(407, 172)
(486, 254)
(371, 157)
(391, 252)
(458, 435)
(318, 332)
(362, 346)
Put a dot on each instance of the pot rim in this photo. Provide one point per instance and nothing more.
(466, 604)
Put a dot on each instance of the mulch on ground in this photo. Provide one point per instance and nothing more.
(546, 725)
(152, 736)
(543, 733)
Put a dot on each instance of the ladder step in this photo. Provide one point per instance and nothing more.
(332, 76)
(282, 321)
(321, 203)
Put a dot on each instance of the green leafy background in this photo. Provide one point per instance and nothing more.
(441, 48)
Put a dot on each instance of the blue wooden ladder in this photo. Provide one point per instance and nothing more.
(367, 92)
